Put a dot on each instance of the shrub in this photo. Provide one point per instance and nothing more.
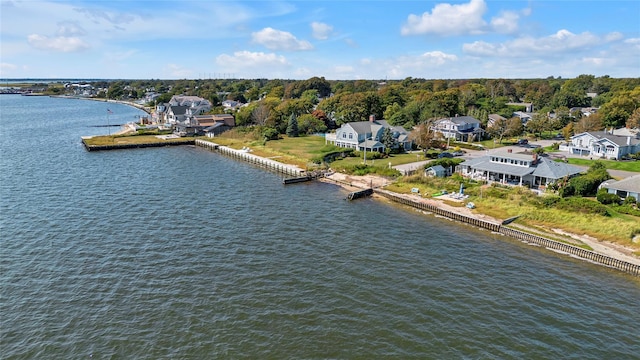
(630, 200)
(270, 133)
(547, 201)
(605, 198)
(582, 205)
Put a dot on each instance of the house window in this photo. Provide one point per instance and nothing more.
(350, 136)
(344, 135)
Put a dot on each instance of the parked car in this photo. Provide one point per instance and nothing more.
(523, 142)
(445, 155)
(457, 153)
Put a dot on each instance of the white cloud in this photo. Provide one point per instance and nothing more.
(447, 19)
(274, 39)
(70, 28)
(6, 67)
(241, 59)
(58, 44)
(437, 58)
(177, 71)
(321, 31)
(506, 22)
(561, 42)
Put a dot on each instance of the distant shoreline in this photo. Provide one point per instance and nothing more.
(129, 103)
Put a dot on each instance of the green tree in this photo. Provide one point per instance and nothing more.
(309, 124)
(292, 127)
(616, 111)
(514, 127)
(387, 140)
(498, 129)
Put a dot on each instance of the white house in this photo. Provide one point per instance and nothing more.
(459, 128)
(602, 144)
(509, 167)
(361, 135)
(624, 188)
(523, 116)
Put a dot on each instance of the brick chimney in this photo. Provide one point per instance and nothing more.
(372, 118)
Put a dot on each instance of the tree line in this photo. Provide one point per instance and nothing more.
(319, 105)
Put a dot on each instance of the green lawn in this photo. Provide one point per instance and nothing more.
(633, 166)
(128, 140)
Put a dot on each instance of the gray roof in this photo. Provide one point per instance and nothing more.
(616, 139)
(371, 144)
(179, 110)
(437, 168)
(484, 163)
(364, 127)
(545, 167)
(361, 127)
(630, 184)
(461, 120)
(550, 169)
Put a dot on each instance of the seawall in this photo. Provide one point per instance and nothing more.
(246, 156)
(578, 252)
(135, 146)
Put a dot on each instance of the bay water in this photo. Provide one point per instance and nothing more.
(181, 253)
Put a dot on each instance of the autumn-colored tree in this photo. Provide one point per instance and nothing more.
(567, 131)
(424, 136)
(634, 120)
(592, 122)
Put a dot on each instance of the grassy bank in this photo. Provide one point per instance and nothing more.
(109, 140)
(505, 202)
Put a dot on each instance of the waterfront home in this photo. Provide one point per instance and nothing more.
(459, 128)
(175, 114)
(214, 125)
(602, 144)
(436, 171)
(195, 104)
(507, 166)
(367, 135)
(624, 188)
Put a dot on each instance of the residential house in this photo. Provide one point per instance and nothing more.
(507, 166)
(436, 171)
(459, 128)
(175, 114)
(583, 111)
(214, 125)
(523, 116)
(231, 104)
(602, 144)
(624, 188)
(367, 135)
(528, 107)
(196, 103)
(495, 118)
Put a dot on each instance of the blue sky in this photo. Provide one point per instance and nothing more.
(342, 40)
